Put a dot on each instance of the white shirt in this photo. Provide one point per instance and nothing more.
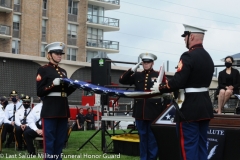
(9, 111)
(34, 116)
(19, 115)
(2, 115)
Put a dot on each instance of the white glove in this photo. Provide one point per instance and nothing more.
(56, 81)
(134, 68)
(155, 88)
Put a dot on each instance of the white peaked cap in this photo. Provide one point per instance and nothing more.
(148, 57)
(192, 29)
(55, 46)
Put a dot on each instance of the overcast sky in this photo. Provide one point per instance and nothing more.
(155, 26)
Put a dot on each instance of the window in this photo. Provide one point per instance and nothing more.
(71, 54)
(72, 31)
(16, 22)
(94, 33)
(44, 5)
(15, 47)
(72, 7)
(90, 55)
(16, 1)
(95, 14)
(44, 26)
(43, 50)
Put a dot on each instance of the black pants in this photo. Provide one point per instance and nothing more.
(7, 128)
(90, 126)
(82, 127)
(29, 135)
(18, 135)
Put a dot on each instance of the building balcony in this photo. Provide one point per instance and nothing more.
(17, 8)
(102, 45)
(107, 4)
(6, 6)
(5, 32)
(105, 23)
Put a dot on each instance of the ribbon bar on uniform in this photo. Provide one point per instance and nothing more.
(202, 89)
(58, 94)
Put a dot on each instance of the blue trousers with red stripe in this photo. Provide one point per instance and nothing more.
(54, 136)
(148, 144)
(193, 139)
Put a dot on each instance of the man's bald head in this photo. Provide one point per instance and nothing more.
(194, 38)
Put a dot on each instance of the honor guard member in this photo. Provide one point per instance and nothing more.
(55, 109)
(9, 119)
(145, 110)
(4, 102)
(35, 128)
(21, 121)
(194, 75)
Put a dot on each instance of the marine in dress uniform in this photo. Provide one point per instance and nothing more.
(9, 119)
(80, 120)
(21, 121)
(145, 109)
(35, 128)
(194, 75)
(55, 109)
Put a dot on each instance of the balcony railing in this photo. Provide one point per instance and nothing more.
(44, 39)
(16, 33)
(71, 41)
(44, 13)
(4, 29)
(17, 8)
(6, 3)
(103, 44)
(111, 1)
(103, 20)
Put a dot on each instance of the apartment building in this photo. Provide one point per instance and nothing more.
(27, 26)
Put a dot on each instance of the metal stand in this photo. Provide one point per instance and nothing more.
(103, 129)
(104, 146)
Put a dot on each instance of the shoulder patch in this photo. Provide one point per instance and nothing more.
(180, 65)
(38, 78)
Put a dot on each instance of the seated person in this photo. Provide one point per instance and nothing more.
(35, 128)
(90, 119)
(4, 102)
(228, 83)
(21, 121)
(9, 119)
(2, 115)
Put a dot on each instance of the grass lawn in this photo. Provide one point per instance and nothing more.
(76, 139)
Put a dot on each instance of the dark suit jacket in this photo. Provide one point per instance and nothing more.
(222, 80)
